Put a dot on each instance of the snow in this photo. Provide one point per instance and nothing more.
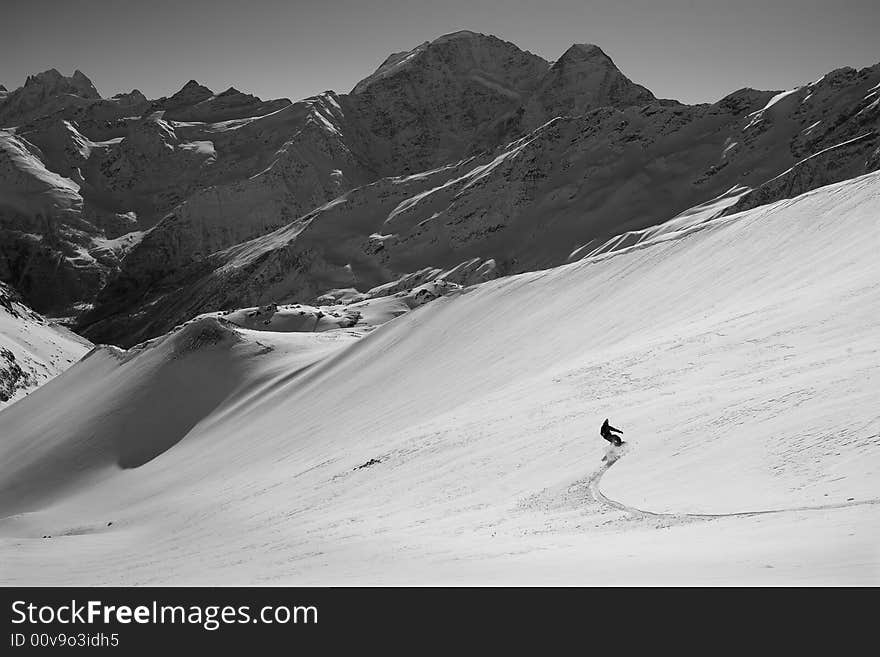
(393, 64)
(738, 354)
(689, 218)
(28, 186)
(203, 148)
(870, 108)
(867, 135)
(774, 100)
(758, 115)
(331, 99)
(322, 120)
(41, 348)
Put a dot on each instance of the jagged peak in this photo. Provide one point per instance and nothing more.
(193, 87)
(49, 75)
(584, 52)
(134, 93)
(83, 82)
(192, 90)
(52, 79)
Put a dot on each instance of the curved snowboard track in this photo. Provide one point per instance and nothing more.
(599, 496)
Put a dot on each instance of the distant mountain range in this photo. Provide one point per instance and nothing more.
(463, 159)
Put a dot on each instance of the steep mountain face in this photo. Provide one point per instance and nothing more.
(583, 79)
(213, 170)
(334, 246)
(49, 97)
(44, 246)
(422, 108)
(464, 158)
(32, 349)
(45, 90)
(100, 183)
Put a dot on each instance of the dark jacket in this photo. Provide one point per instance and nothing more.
(607, 429)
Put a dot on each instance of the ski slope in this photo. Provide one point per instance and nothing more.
(740, 357)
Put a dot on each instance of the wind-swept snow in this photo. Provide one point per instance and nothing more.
(739, 355)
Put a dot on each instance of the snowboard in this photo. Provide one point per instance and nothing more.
(616, 443)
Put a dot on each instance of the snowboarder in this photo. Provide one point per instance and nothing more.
(606, 433)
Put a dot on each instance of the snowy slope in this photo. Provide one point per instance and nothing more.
(32, 349)
(738, 355)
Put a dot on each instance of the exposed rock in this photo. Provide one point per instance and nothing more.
(583, 79)
(422, 108)
(45, 92)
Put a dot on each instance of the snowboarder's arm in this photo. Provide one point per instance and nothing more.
(613, 429)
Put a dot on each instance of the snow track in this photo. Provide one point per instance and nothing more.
(600, 497)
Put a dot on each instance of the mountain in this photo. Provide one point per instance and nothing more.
(46, 92)
(571, 187)
(32, 349)
(112, 177)
(582, 79)
(195, 102)
(422, 108)
(369, 338)
(458, 443)
(464, 157)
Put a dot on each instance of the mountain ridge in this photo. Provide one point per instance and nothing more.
(163, 188)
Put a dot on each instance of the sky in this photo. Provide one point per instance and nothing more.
(690, 50)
